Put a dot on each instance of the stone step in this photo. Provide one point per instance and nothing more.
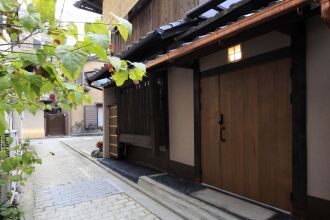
(185, 206)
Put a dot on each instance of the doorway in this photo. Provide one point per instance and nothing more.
(246, 132)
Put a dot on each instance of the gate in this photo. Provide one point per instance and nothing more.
(55, 124)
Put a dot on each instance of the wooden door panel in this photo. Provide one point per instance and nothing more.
(256, 156)
(239, 151)
(274, 126)
(210, 130)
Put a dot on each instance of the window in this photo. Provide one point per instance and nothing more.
(234, 53)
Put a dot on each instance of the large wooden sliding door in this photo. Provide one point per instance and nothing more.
(249, 131)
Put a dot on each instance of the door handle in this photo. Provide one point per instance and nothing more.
(222, 139)
(221, 119)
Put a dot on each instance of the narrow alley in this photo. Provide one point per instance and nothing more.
(69, 186)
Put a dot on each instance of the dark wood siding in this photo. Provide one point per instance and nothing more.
(155, 14)
(142, 113)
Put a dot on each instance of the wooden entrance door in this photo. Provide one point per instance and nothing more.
(55, 124)
(253, 138)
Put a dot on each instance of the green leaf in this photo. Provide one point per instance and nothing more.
(48, 107)
(70, 86)
(10, 140)
(30, 57)
(72, 61)
(33, 109)
(72, 30)
(55, 78)
(8, 5)
(46, 8)
(124, 65)
(88, 99)
(17, 85)
(31, 21)
(99, 39)
(140, 66)
(58, 35)
(7, 167)
(6, 107)
(35, 82)
(93, 48)
(116, 62)
(136, 74)
(97, 28)
(41, 55)
(64, 106)
(125, 28)
(3, 122)
(47, 86)
(5, 82)
(72, 97)
(19, 108)
(120, 77)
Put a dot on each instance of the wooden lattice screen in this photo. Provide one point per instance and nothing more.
(142, 113)
(113, 139)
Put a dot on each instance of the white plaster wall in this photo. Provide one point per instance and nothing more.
(33, 126)
(318, 108)
(77, 115)
(181, 115)
(256, 46)
(109, 98)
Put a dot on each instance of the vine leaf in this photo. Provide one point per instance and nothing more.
(99, 39)
(120, 77)
(8, 5)
(72, 30)
(141, 66)
(32, 20)
(46, 9)
(136, 74)
(5, 82)
(72, 61)
(97, 28)
(115, 62)
(3, 122)
(93, 47)
(124, 27)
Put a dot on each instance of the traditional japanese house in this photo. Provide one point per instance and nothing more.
(237, 97)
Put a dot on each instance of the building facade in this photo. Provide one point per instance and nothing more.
(237, 97)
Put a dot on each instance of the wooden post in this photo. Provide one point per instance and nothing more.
(197, 121)
(299, 117)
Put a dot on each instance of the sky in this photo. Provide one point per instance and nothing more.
(71, 13)
(76, 15)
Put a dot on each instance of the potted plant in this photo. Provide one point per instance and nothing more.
(99, 146)
(99, 152)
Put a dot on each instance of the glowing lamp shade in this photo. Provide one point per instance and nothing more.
(234, 53)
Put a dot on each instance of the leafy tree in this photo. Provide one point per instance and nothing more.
(27, 75)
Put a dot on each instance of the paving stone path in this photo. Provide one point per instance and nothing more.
(67, 186)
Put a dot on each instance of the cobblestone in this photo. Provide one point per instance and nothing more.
(67, 187)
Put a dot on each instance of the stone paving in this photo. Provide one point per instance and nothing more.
(67, 186)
